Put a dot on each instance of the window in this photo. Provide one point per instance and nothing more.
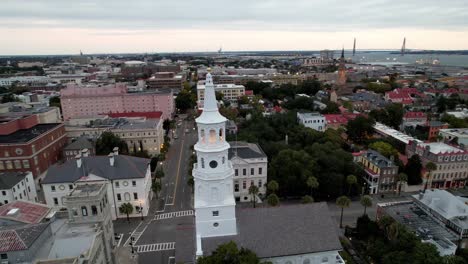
(260, 183)
(26, 164)
(52, 188)
(202, 163)
(70, 186)
(22, 183)
(202, 134)
(119, 198)
(93, 210)
(224, 159)
(252, 171)
(215, 213)
(252, 183)
(135, 196)
(9, 164)
(134, 183)
(244, 172)
(3, 193)
(236, 187)
(84, 211)
(117, 184)
(236, 171)
(212, 138)
(221, 134)
(244, 185)
(56, 201)
(5, 202)
(3, 256)
(29, 189)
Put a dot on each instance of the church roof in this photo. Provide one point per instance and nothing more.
(245, 150)
(282, 231)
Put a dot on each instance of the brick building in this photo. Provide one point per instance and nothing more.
(380, 171)
(451, 162)
(434, 128)
(26, 145)
(165, 80)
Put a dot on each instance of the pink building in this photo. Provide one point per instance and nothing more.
(88, 101)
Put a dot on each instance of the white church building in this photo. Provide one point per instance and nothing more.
(293, 234)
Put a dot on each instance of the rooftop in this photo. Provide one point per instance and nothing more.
(282, 231)
(10, 179)
(245, 150)
(378, 159)
(309, 114)
(440, 147)
(84, 190)
(457, 132)
(20, 237)
(80, 143)
(27, 212)
(388, 131)
(148, 115)
(26, 135)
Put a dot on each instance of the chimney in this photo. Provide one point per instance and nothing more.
(111, 159)
(116, 151)
(84, 153)
(78, 160)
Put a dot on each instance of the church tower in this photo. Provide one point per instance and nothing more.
(342, 70)
(215, 213)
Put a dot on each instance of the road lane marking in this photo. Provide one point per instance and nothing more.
(178, 171)
(155, 247)
(173, 214)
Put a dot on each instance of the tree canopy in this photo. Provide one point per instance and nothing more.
(230, 253)
(360, 128)
(413, 170)
(391, 115)
(384, 148)
(108, 141)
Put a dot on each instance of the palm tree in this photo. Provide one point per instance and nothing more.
(343, 202)
(430, 167)
(273, 199)
(126, 208)
(253, 191)
(312, 183)
(273, 186)
(402, 177)
(156, 187)
(366, 201)
(351, 180)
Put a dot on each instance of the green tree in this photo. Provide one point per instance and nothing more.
(307, 199)
(366, 201)
(342, 202)
(413, 170)
(391, 115)
(108, 141)
(159, 174)
(273, 186)
(185, 100)
(230, 253)
(360, 128)
(9, 97)
(430, 167)
(126, 208)
(351, 180)
(273, 199)
(219, 95)
(55, 102)
(384, 148)
(426, 253)
(253, 191)
(156, 187)
(402, 177)
(312, 183)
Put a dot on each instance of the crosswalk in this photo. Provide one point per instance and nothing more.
(155, 247)
(173, 214)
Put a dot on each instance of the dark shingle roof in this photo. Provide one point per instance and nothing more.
(10, 179)
(245, 150)
(282, 231)
(125, 167)
(80, 143)
(20, 238)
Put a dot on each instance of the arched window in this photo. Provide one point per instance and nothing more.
(202, 163)
(202, 135)
(220, 134)
(84, 210)
(127, 196)
(93, 210)
(212, 138)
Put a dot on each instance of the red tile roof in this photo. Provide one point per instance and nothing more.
(149, 115)
(10, 241)
(249, 92)
(414, 115)
(29, 212)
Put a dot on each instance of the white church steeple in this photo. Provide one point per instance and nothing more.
(213, 173)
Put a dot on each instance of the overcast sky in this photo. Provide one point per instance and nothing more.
(95, 26)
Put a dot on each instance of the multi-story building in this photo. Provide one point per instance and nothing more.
(26, 145)
(139, 133)
(451, 162)
(434, 128)
(165, 80)
(90, 101)
(33, 81)
(250, 165)
(381, 172)
(77, 146)
(413, 119)
(17, 186)
(312, 120)
(128, 180)
(231, 92)
(457, 136)
(15, 110)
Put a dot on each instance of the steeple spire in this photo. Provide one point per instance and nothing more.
(210, 112)
(342, 53)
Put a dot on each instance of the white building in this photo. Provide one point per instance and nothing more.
(250, 165)
(456, 135)
(17, 186)
(128, 178)
(313, 120)
(231, 92)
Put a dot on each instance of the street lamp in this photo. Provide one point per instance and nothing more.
(131, 244)
(141, 211)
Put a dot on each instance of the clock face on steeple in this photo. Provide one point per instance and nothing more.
(213, 164)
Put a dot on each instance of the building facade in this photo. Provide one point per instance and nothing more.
(17, 186)
(314, 120)
(90, 101)
(381, 172)
(128, 180)
(250, 165)
(165, 80)
(451, 162)
(28, 146)
(231, 92)
(457, 136)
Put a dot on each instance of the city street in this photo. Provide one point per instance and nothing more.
(154, 237)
